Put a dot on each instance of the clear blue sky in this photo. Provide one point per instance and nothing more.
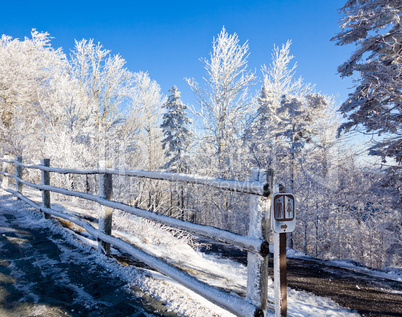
(167, 38)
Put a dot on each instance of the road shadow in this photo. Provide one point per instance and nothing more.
(43, 275)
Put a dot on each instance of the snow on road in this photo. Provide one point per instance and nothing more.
(208, 268)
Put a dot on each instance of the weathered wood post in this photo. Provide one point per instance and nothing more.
(280, 269)
(105, 216)
(6, 170)
(283, 274)
(45, 181)
(18, 174)
(257, 264)
(268, 177)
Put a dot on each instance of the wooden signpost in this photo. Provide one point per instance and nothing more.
(283, 220)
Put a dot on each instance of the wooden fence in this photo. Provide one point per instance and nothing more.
(255, 243)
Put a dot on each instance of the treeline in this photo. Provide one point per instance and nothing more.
(86, 107)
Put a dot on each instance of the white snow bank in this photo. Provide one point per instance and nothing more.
(389, 273)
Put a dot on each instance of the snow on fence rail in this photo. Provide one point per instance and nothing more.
(255, 303)
(247, 187)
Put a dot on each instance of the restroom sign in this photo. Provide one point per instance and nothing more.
(283, 213)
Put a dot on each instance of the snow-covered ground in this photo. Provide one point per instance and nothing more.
(159, 241)
(391, 273)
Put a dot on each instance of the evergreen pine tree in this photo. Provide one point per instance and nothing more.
(375, 104)
(176, 134)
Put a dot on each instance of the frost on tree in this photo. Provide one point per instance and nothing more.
(106, 87)
(148, 99)
(176, 134)
(26, 70)
(262, 134)
(374, 26)
(224, 103)
(293, 128)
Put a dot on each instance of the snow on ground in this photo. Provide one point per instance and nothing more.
(390, 273)
(219, 272)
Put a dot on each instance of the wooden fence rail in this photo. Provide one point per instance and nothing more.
(255, 243)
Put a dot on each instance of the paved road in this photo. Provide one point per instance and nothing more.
(42, 275)
(371, 296)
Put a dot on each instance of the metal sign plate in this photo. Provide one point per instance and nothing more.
(283, 213)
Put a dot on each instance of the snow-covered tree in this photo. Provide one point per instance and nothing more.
(300, 121)
(293, 126)
(26, 70)
(279, 75)
(149, 99)
(374, 26)
(262, 136)
(69, 120)
(177, 136)
(224, 103)
(107, 88)
(259, 136)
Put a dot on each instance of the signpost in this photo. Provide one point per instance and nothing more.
(283, 220)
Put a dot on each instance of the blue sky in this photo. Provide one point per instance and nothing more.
(167, 38)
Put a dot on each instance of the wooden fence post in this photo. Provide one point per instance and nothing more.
(6, 169)
(105, 217)
(18, 174)
(45, 181)
(257, 264)
(266, 176)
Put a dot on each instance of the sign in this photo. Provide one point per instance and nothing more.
(283, 213)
